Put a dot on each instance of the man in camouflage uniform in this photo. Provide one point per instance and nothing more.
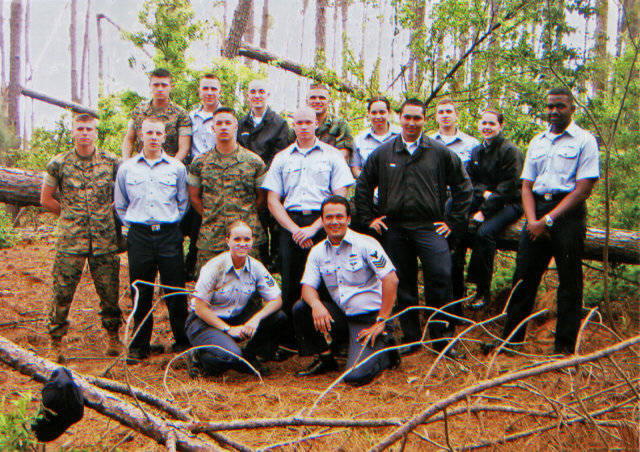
(84, 180)
(224, 186)
(176, 120)
(332, 129)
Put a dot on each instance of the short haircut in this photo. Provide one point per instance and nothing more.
(375, 99)
(416, 103)
(336, 199)
(161, 73)
(84, 117)
(319, 86)
(561, 91)
(498, 114)
(153, 120)
(237, 224)
(209, 75)
(446, 101)
(221, 110)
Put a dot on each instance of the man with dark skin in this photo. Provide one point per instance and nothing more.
(560, 170)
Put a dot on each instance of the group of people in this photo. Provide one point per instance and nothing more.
(258, 194)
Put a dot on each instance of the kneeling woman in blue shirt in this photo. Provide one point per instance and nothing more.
(222, 313)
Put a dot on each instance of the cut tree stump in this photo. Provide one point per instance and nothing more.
(22, 188)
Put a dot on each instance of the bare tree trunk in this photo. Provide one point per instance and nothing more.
(305, 4)
(600, 49)
(264, 26)
(84, 76)
(238, 28)
(249, 32)
(336, 35)
(491, 48)
(15, 48)
(73, 50)
(321, 32)
(344, 7)
(3, 67)
(28, 68)
(99, 18)
(415, 77)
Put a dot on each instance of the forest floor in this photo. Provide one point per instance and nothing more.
(542, 406)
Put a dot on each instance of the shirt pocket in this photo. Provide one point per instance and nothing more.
(290, 176)
(321, 173)
(355, 273)
(329, 275)
(167, 189)
(567, 159)
(136, 184)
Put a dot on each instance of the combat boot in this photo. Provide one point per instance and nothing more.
(114, 346)
(57, 351)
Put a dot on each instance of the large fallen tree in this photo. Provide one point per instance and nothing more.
(23, 188)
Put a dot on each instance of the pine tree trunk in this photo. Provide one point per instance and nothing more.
(344, 9)
(238, 28)
(3, 67)
(264, 26)
(249, 32)
(73, 43)
(600, 49)
(321, 32)
(84, 76)
(15, 47)
(28, 69)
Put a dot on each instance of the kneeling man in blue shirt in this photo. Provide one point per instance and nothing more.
(362, 283)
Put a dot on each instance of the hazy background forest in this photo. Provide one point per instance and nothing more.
(503, 53)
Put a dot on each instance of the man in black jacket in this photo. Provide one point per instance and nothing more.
(412, 173)
(264, 132)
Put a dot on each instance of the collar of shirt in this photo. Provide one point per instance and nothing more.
(150, 107)
(255, 120)
(571, 130)
(140, 156)
(296, 148)
(391, 132)
(447, 139)
(228, 265)
(202, 114)
(411, 147)
(348, 239)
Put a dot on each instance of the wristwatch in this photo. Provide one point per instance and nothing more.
(226, 329)
(548, 221)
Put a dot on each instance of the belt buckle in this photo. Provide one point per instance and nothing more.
(155, 227)
(548, 196)
(306, 212)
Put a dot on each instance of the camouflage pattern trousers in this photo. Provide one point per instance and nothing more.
(67, 271)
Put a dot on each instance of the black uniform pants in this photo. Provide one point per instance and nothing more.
(565, 245)
(190, 227)
(149, 252)
(312, 342)
(404, 247)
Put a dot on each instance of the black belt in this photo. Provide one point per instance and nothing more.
(154, 228)
(550, 197)
(304, 213)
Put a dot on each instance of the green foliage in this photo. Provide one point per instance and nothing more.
(8, 235)
(623, 286)
(15, 424)
(115, 111)
(44, 145)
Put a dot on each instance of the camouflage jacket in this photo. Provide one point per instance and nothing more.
(336, 132)
(229, 185)
(85, 188)
(176, 122)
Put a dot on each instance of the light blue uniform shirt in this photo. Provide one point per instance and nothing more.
(461, 144)
(306, 179)
(228, 289)
(366, 142)
(151, 193)
(202, 137)
(352, 272)
(555, 163)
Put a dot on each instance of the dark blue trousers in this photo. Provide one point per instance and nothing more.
(149, 253)
(312, 342)
(565, 245)
(214, 361)
(404, 247)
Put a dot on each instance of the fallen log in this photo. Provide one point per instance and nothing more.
(77, 108)
(261, 55)
(103, 402)
(23, 188)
